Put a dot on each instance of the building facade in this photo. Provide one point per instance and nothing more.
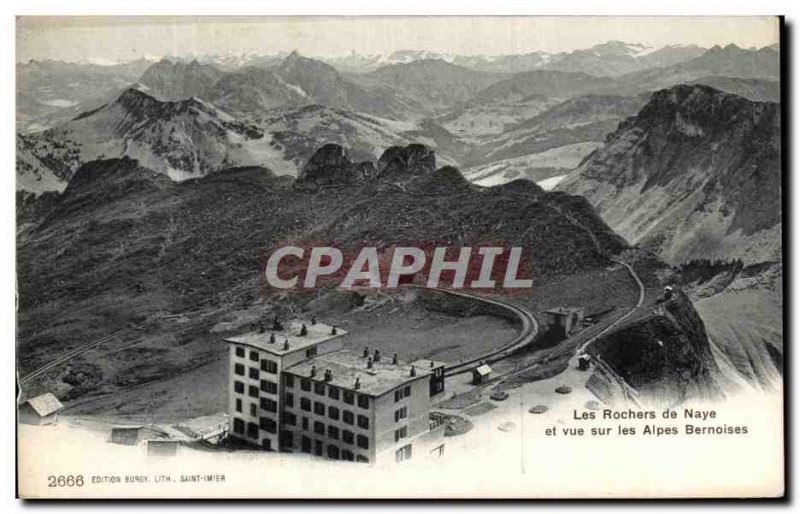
(297, 389)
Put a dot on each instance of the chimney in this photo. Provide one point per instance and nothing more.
(394, 359)
(366, 352)
(377, 357)
(369, 362)
(413, 371)
(286, 344)
(358, 383)
(304, 330)
(432, 364)
(272, 338)
(328, 375)
(313, 370)
(333, 330)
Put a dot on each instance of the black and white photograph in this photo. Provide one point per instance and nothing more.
(367, 257)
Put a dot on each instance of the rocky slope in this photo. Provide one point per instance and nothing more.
(183, 139)
(124, 243)
(665, 357)
(180, 80)
(695, 174)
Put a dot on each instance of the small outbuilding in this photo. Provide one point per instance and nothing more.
(162, 447)
(481, 374)
(133, 434)
(563, 321)
(41, 410)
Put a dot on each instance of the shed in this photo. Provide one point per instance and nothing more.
(133, 434)
(162, 447)
(41, 410)
(481, 374)
(563, 321)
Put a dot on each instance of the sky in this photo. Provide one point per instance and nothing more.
(121, 39)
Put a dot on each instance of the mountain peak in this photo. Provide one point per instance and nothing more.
(414, 159)
(331, 166)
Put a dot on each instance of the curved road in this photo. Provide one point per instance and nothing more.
(530, 328)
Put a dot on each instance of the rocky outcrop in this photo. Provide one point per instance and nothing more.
(399, 162)
(331, 165)
(665, 357)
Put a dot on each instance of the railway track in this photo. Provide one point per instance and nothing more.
(530, 328)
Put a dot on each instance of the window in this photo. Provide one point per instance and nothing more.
(288, 399)
(348, 455)
(361, 458)
(310, 352)
(333, 413)
(348, 417)
(363, 401)
(252, 391)
(400, 433)
(333, 393)
(333, 432)
(363, 422)
(319, 389)
(268, 424)
(403, 453)
(269, 366)
(305, 404)
(305, 444)
(238, 426)
(252, 431)
(333, 452)
(290, 418)
(253, 373)
(239, 351)
(253, 410)
(319, 408)
(238, 369)
(317, 447)
(401, 413)
(319, 428)
(363, 442)
(269, 387)
(254, 356)
(289, 379)
(401, 393)
(348, 436)
(305, 384)
(348, 397)
(305, 423)
(238, 405)
(238, 387)
(269, 405)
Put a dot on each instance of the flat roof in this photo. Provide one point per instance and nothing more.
(563, 310)
(346, 366)
(428, 364)
(317, 333)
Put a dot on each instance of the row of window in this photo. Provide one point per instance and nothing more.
(332, 451)
(267, 365)
(403, 392)
(333, 392)
(331, 411)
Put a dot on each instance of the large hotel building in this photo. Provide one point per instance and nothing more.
(295, 388)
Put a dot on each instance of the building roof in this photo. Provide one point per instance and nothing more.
(45, 404)
(483, 369)
(563, 310)
(204, 424)
(317, 333)
(347, 366)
